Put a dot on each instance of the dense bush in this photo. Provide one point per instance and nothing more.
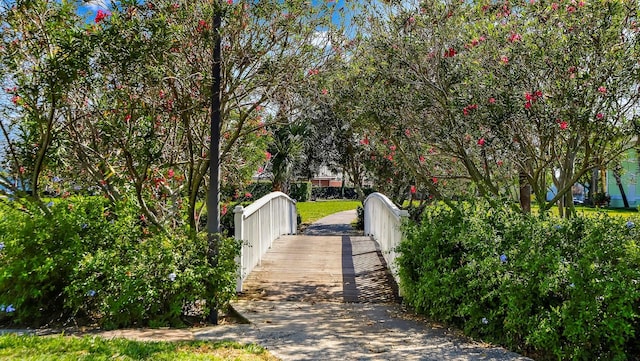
(555, 289)
(300, 191)
(88, 259)
(360, 219)
(337, 193)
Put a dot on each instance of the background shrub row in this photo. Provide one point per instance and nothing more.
(551, 288)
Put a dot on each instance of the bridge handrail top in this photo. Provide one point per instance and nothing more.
(255, 206)
(388, 203)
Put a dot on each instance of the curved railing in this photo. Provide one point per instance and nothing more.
(383, 221)
(258, 225)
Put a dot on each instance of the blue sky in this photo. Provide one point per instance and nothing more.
(89, 8)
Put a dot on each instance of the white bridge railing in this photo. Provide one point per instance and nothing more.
(258, 225)
(383, 221)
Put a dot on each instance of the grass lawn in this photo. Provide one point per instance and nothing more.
(312, 211)
(614, 212)
(13, 347)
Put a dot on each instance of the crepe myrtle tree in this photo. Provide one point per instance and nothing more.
(497, 96)
(135, 120)
(573, 72)
(43, 53)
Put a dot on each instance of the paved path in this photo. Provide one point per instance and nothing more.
(327, 295)
(335, 224)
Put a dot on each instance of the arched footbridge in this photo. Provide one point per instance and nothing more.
(328, 263)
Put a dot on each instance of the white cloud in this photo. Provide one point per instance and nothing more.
(96, 4)
(320, 39)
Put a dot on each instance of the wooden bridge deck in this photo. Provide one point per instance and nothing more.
(322, 269)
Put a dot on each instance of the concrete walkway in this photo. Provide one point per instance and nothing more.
(335, 224)
(327, 295)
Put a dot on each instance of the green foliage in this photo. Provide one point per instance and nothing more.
(565, 289)
(13, 347)
(338, 193)
(300, 191)
(360, 221)
(91, 259)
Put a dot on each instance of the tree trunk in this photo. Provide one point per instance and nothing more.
(616, 174)
(525, 193)
(593, 187)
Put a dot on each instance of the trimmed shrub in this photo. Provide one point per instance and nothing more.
(337, 193)
(91, 259)
(551, 288)
(301, 191)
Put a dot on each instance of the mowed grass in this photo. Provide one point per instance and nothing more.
(313, 211)
(587, 211)
(14, 347)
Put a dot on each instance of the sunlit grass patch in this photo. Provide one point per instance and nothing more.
(14, 347)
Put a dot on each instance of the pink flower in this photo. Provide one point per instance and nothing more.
(554, 6)
(170, 173)
(101, 15)
(514, 37)
(481, 142)
(571, 9)
(413, 189)
(260, 170)
(407, 132)
(563, 124)
(248, 195)
(434, 180)
(267, 155)
(21, 170)
(412, 20)
(450, 53)
(602, 89)
(224, 209)
(230, 2)
(421, 159)
(15, 99)
(504, 59)
(538, 94)
(581, 3)
(325, 91)
(393, 148)
(492, 100)
(527, 105)
(127, 118)
(599, 115)
(364, 141)
(499, 163)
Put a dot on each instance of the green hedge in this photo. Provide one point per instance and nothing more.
(550, 288)
(301, 191)
(93, 260)
(337, 193)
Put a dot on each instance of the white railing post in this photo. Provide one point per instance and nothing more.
(238, 214)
